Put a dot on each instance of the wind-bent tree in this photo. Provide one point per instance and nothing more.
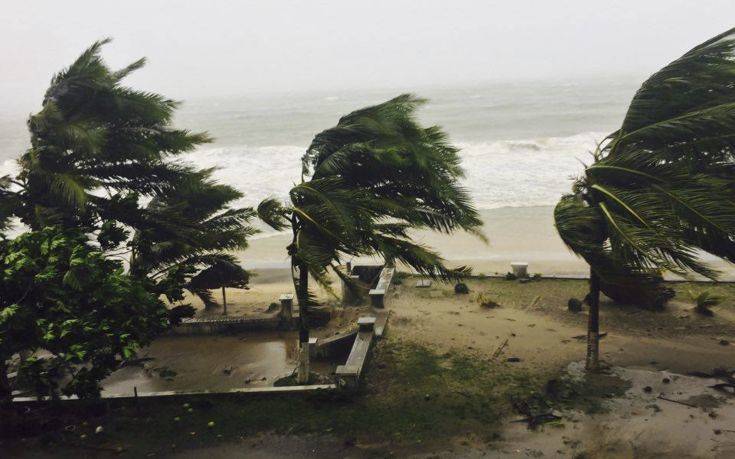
(662, 187)
(99, 152)
(364, 184)
(103, 164)
(196, 261)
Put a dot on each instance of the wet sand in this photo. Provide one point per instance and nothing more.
(533, 325)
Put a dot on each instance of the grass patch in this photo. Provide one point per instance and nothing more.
(412, 395)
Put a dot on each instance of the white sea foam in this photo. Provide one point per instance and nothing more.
(525, 172)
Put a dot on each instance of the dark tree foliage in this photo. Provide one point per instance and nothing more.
(662, 187)
(72, 311)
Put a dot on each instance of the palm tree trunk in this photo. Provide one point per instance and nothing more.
(593, 325)
(302, 294)
(224, 302)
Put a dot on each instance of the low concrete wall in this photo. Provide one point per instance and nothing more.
(171, 393)
(281, 319)
(377, 294)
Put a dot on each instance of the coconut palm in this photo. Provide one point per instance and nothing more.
(197, 259)
(364, 184)
(99, 152)
(96, 146)
(661, 188)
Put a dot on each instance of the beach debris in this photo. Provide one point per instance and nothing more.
(210, 424)
(99, 429)
(461, 288)
(513, 359)
(534, 302)
(690, 405)
(500, 348)
(228, 370)
(725, 388)
(486, 302)
(583, 337)
(423, 283)
(535, 409)
(648, 389)
(574, 305)
(724, 342)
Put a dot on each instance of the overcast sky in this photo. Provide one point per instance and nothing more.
(198, 48)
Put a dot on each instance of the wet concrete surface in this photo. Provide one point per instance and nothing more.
(198, 363)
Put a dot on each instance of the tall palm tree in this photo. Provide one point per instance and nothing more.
(662, 187)
(103, 159)
(364, 184)
(96, 146)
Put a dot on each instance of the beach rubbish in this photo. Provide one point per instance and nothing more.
(423, 283)
(461, 288)
(513, 359)
(99, 429)
(486, 302)
(574, 305)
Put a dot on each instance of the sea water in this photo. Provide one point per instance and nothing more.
(520, 142)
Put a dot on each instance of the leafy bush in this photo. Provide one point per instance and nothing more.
(75, 312)
(704, 301)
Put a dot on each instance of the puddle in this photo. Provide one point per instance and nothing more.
(195, 363)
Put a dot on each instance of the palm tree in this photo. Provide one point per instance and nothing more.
(364, 184)
(661, 188)
(197, 258)
(97, 146)
(99, 151)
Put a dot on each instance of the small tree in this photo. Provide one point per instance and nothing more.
(662, 186)
(73, 310)
(365, 183)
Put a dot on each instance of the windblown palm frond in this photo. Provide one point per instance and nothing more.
(370, 179)
(205, 228)
(92, 134)
(365, 183)
(662, 187)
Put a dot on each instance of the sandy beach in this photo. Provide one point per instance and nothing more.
(514, 234)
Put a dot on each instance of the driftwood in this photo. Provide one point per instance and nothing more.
(500, 348)
(690, 405)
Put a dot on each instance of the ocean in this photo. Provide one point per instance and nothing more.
(521, 142)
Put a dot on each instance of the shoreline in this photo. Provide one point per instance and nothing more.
(514, 233)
